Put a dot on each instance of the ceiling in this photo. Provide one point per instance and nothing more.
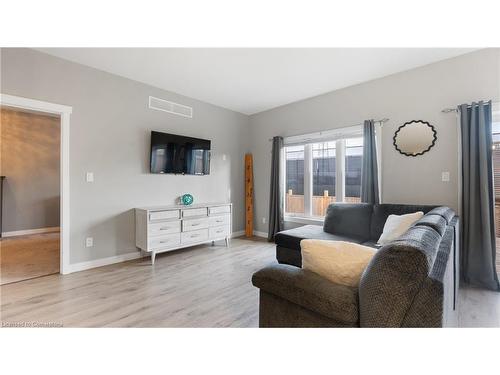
(252, 80)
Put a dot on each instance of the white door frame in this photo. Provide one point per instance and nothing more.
(64, 112)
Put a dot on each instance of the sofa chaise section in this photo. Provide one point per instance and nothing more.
(410, 282)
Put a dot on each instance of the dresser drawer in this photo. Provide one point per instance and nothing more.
(163, 215)
(219, 210)
(194, 236)
(194, 224)
(165, 227)
(164, 241)
(219, 232)
(217, 221)
(194, 212)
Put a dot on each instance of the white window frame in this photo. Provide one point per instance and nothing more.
(337, 135)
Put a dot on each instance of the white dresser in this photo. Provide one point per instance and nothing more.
(167, 228)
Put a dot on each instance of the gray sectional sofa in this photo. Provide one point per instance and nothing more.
(410, 282)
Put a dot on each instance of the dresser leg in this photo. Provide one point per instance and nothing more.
(153, 255)
(227, 241)
(213, 243)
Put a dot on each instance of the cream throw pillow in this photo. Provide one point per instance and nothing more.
(338, 261)
(396, 225)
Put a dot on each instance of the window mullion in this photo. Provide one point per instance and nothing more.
(308, 179)
(340, 170)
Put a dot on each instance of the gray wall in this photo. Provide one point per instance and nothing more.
(109, 134)
(30, 160)
(110, 128)
(416, 94)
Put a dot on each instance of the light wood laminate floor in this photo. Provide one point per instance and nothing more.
(198, 287)
(203, 286)
(479, 308)
(27, 257)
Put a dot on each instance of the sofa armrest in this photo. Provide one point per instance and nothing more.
(310, 291)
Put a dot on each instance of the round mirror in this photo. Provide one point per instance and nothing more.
(414, 138)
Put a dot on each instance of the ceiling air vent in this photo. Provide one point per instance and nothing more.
(170, 107)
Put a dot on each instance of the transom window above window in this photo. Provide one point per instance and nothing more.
(322, 172)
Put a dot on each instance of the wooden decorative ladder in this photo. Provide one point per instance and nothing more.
(248, 195)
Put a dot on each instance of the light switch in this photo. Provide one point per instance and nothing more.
(445, 176)
(89, 177)
(89, 241)
(223, 156)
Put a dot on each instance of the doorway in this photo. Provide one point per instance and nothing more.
(30, 206)
(64, 113)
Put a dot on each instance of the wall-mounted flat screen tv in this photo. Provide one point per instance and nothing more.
(171, 153)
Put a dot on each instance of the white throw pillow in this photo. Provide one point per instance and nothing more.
(338, 261)
(396, 225)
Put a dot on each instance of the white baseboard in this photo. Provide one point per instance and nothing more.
(259, 234)
(237, 234)
(76, 267)
(30, 231)
(82, 266)
(255, 233)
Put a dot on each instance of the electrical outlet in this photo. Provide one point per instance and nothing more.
(263, 220)
(89, 177)
(445, 176)
(89, 241)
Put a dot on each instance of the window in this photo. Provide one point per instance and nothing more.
(321, 172)
(324, 176)
(294, 203)
(353, 160)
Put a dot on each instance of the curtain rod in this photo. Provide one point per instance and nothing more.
(381, 122)
(449, 110)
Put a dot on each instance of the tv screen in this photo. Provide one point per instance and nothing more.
(178, 154)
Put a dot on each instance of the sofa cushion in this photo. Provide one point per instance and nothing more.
(395, 275)
(284, 255)
(291, 238)
(382, 211)
(348, 219)
(389, 284)
(310, 291)
(424, 239)
(446, 212)
(340, 262)
(436, 222)
(277, 312)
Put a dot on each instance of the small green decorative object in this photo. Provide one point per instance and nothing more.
(187, 199)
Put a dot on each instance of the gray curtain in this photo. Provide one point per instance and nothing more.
(276, 195)
(478, 221)
(369, 169)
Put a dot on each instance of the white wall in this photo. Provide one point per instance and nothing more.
(418, 94)
(110, 130)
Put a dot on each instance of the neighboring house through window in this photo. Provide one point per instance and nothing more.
(322, 168)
